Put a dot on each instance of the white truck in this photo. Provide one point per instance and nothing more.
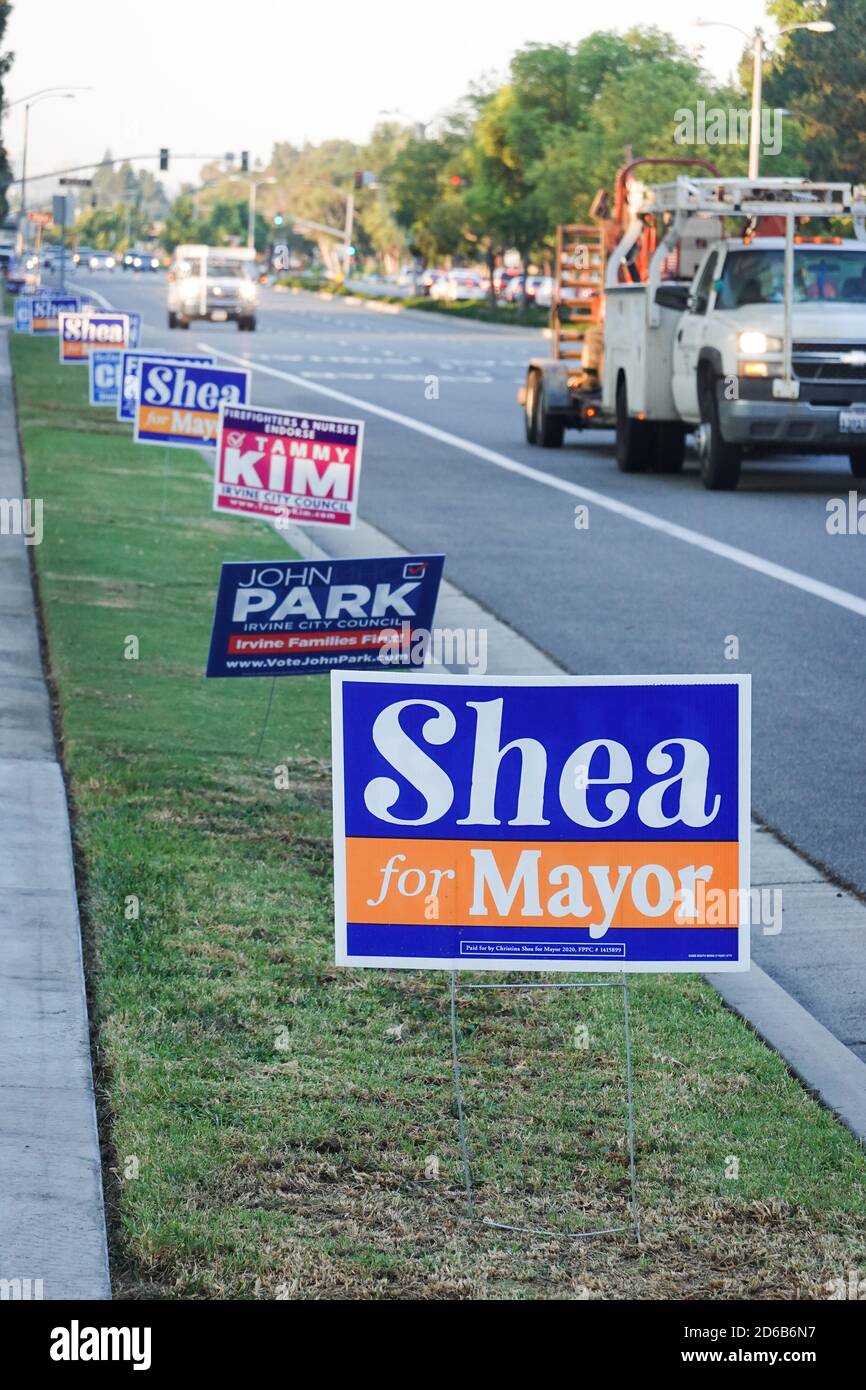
(750, 341)
(212, 282)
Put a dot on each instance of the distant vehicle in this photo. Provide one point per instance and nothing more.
(140, 260)
(429, 278)
(541, 292)
(213, 282)
(502, 277)
(23, 273)
(459, 285)
(101, 260)
(535, 285)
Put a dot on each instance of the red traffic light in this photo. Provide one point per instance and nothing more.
(455, 180)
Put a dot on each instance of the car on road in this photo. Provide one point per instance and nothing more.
(101, 260)
(459, 285)
(430, 277)
(140, 260)
(218, 283)
(539, 290)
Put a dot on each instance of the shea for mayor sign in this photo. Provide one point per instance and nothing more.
(179, 402)
(130, 371)
(579, 823)
(284, 466)
(297, 617)
(82, 331)
(45, 310)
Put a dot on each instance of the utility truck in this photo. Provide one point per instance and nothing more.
(212, 282)
(747, 330)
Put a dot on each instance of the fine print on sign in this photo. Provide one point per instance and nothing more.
(299, 617)
(84, 330)
(179, 403)
(566, 824)
(288, 467)
(127, 397)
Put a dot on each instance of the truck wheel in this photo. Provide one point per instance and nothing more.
(720, 461)
(247, 325)
(857, 458)
(633, 437)
(670, 448)
(529, 422)
(172, 319)
(549, 430)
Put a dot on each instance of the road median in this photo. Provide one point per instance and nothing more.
(279, 1128)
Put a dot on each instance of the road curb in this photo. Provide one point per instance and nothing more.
(829, 1070)
(52, 1217)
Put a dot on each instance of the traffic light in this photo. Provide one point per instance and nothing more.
(350, 251)
(245, 161)
(278, 219)
(359, 178)
(163, 160)
(455, 180)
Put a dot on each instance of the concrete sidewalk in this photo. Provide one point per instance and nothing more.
(52, 1221)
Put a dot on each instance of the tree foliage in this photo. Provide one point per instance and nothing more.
(821, 80)
(6, 60)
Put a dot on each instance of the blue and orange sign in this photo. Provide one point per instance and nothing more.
(179, 402)
(83, 330)
(571, 824)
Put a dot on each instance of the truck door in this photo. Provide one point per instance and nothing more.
(689, 339)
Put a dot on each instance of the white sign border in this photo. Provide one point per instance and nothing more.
(331, 526)
(743, 684)
(186, 443)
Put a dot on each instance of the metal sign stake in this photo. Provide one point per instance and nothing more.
(461, 1113)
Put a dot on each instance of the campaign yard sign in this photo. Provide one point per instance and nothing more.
(573, 823)
(22, 314)
(282, 465)
(128, 389)
(46, 308)
(104, 375)
(134, 328)
(299, 617)
(83, 330)
(179, 402)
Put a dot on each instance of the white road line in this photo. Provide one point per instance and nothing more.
(816, 587)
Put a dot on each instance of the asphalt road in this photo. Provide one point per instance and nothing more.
(622, 596)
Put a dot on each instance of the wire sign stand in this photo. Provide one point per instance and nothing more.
(634, 1225)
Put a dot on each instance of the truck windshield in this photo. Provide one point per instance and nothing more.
(756, 276)
(227, 270)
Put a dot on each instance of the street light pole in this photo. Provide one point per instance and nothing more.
(757, 93)
(816, 26)
(44, 94)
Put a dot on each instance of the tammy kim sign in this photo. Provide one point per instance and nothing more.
(179, 402)
(288, 467)
(566, 824)
(83, 330)
(299, 617)
(127, 394)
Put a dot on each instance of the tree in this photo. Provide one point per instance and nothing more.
(821, 80)
(5, 64)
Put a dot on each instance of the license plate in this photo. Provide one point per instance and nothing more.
(852, 421)
(219, 315)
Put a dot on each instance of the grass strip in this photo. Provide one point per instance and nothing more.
(278, 1128)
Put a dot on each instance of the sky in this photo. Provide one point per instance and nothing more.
(206, 77)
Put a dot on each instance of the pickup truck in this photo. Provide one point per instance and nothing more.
(762, 350)
(212, 282)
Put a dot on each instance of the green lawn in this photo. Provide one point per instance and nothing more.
(273, 1126)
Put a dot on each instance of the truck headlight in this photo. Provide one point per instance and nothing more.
(248, 291)
(752, 342)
